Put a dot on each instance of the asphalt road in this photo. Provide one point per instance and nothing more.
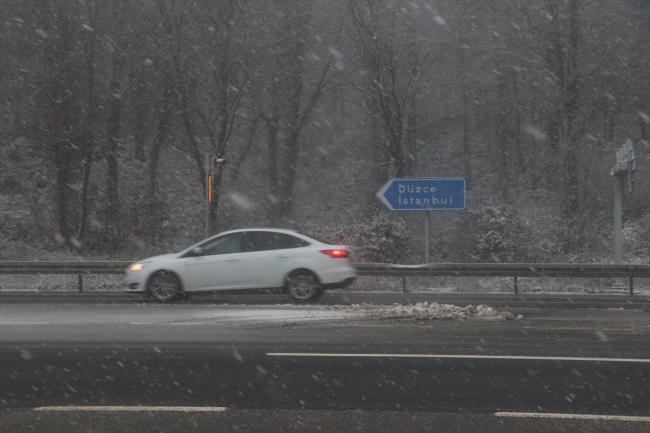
(362, 374)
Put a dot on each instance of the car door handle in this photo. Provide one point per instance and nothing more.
(231, 260)
(280, 256)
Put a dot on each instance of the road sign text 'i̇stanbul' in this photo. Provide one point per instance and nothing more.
(428, 194)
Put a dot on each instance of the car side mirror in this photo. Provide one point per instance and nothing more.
(197, 251)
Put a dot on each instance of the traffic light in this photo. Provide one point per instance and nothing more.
(218, 162)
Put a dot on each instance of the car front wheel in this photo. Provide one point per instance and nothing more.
(164, 286)
(303, 286)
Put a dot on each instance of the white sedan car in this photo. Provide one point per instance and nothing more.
(246, 259)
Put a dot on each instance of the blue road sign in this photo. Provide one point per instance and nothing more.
(435, 193)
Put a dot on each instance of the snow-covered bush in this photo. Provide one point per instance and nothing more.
(381, 239)
(502, 234)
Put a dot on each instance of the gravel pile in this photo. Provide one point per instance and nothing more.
(428, 311)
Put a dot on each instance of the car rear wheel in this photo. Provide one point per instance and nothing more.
(164, 286)
(303, 286)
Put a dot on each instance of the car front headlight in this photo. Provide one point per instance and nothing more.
(137, 266)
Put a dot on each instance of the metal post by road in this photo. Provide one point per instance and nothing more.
(427, 234)
(81, 283)
(618, 220)
(207, 194)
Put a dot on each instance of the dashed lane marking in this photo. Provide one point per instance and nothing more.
(500, 357)
(573, 416)
(129, 409)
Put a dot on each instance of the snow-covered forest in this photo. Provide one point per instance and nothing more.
(108, 108)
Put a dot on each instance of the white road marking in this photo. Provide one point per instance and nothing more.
(25, 323)
(129, 409)
(573, 416)
(415, 355)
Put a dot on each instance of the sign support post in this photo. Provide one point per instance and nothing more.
(424, 194)
(427, 235)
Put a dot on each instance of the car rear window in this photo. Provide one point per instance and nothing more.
(316, 238)
(264, 241)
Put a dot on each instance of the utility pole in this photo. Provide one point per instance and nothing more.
(623, 174)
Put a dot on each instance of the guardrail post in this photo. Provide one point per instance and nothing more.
(516, 287)
(81, 283)
(631, 286)
(403, 284)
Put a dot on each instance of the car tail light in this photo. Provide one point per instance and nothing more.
(336, 254)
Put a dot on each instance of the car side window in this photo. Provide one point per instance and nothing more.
(265, 241)
(227, 244)
(259, 241)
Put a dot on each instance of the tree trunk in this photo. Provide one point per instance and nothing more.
(467, 152)
(289, 170)
(272, 128)
(570, 108)
(89, 144)
(140, 115)
(113, 139)
(379, 164)
(62, 160)
(244, 154)
(88, 161)
(411, 137)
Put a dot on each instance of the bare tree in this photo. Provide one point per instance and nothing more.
(291, 90)
(58, 112)
(391, 68)
(209, 88)
(577, 46)
(89, 16)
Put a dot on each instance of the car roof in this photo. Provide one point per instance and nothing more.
(269, 229)
(259, 229)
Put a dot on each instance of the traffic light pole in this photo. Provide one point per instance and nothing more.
(208, 192)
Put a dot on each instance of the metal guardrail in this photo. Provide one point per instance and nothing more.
(505, 270)
(515, 270)
(108, 267)
(71, 268)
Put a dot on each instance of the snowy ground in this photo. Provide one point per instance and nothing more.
(220, 315)
(426, 311)
(167, 315)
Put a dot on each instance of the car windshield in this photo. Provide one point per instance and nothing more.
(389, 215)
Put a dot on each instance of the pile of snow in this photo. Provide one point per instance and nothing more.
(427, 311)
